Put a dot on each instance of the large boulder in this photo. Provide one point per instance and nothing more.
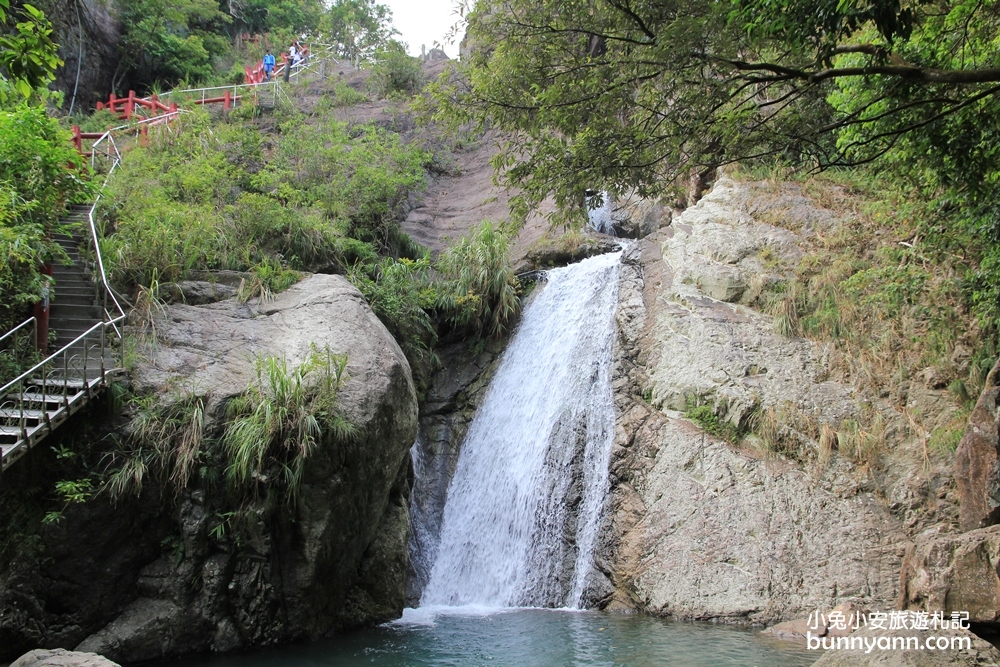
(61, 658)
(954, 572)
(335, 559)
(977, 461)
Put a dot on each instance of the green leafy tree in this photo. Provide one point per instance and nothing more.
(629, 94)
(395, 73)
(260, 16)
(359, 27)
(28, 59)
(169, 40)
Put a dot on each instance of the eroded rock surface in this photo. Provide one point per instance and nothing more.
(977, 461)
(702, 529)
(954, 573)
(61, 658)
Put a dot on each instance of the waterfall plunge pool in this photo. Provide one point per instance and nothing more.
(541, 438)
(472, 637)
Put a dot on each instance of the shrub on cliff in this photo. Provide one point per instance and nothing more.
(40, 174)
(395, 74)
(480, 290)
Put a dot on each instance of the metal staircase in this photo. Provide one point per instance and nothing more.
(88, 342)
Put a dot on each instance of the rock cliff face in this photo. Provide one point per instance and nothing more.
(977, 461)
(701, 528)
(170, 585)
(87, 32)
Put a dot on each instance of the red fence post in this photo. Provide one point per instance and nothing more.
(77, 139)
(226, 101)
(130, 105)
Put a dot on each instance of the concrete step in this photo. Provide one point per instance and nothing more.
(70, 272)
(47, 398)
(75, 311)
(79, 297)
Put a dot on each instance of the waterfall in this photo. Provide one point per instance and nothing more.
(523, 509)
(600, 218)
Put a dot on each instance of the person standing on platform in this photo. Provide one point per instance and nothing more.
(268, 65)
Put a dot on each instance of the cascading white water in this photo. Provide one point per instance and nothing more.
(600, 218)
(524, 506)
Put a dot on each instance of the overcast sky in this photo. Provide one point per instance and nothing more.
(423, 22)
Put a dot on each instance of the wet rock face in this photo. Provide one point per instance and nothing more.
(455, 392)
(697, 527)
(977, 461)
(175, 586)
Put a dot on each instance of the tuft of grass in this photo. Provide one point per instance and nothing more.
(862, 444)
(267, 279)
(166, 440)
(704, 416)
(281, 419)
(481, 290)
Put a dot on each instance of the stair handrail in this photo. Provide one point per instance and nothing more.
(232, 87)
(63, 351)
(116, 160)
(30, 321)
(97, 252)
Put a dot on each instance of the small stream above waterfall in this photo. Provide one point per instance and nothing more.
(525, 504)
(600, 218)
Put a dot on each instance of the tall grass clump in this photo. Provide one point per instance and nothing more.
(164, 442)
(258, 455)
(481, 291)
(281, 420)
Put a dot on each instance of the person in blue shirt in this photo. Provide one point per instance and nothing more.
(268, 65)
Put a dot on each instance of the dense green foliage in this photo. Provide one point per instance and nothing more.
(28, 57)
(635, 97)
(395, 74)
(165, 42)
(40, 174)
(170, 40)
(359, 28)
(212, 196)
(628, 95)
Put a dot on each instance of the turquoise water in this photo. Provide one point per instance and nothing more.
(529, 638)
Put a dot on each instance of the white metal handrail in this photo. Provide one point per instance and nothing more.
(31, 321)
(97, 248)
(64, 352)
